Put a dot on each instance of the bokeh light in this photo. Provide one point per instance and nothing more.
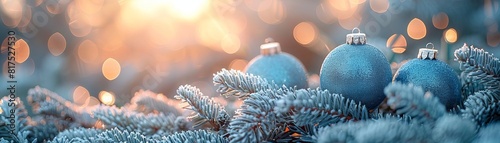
(26, 17)
(271, 11)
(238, 64)
(343, 9)
(89, 6)
(351, 22)
(88, 51)
(379, 6)
(210, 33)
(12, 12)
(397, 43)
(80, 95)
(76, 21)
(92, 101)
(107, 98)
(53, 7)
(416, 29)
(56, 44)
(440, 20)
(305, 33)
(188, 9)
(111, 69)
(230, 44)
(22, 50)
(451, 35)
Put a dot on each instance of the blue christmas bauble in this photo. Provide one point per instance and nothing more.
(278, 67)
(356, 70)
(434, 76)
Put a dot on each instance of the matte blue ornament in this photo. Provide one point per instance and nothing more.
(277, 66)
(356, 70)
(433, 75)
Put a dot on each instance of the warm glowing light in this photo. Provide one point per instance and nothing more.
(53, 7)
(188, 9)
(351, 22)
(87, 51)
(92, 101)
(5, 45)
(76, 21)
(11, 12)
(56, 44)
(252, 4)
(397, 43)
(22, 50)
(80, 95)
(89, 6)
(238, 64)
(493, 39)
(99, 124)
(379, 6)
(305, 33)
(440, 21)
(323, 13)
(162, 34)
(451, 35)
(210, 33)
(416, 29)
(271, 11)
(106, 98)
(111, 69)
(230, 44)
(26, 17)
(343, 9)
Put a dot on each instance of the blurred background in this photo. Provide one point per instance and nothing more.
(103, 51)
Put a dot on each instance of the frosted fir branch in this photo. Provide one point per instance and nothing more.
(45, 128)
(80, 133)
(389, 116)
(115, 135)
(46, 102)
(239, 84)
(257, 121)
(205, 109)
(320, 108)
(478, 67)
(148, 124)
(453, 128)
(197, 136)
(149, 102)
(13, 117)
(488, 134)
(482, 108)
(69, 140)
(374, 131)
(412, 101)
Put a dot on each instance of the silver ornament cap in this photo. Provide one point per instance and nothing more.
(270, 47)
(356, 38)
(427, 53)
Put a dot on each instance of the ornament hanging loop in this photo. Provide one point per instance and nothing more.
(356, 29)
(357, 38)
(429, 44)
(427, 52)
(270, 47)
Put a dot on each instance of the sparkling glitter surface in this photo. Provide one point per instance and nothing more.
(358, 72)
(434, 76)
(282, 68)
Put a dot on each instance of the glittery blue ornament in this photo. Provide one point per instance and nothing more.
(433, 75)
(356, 70)
(277, 66)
